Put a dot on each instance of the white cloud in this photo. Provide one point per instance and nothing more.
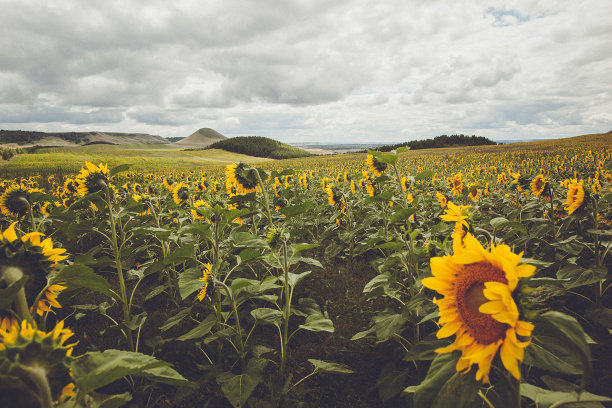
(349, 70)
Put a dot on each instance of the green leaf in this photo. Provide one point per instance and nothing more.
(441, 370)
(189, 281)
(298, 209)
(295, 278)
(248, 254)
(8, 294)
(424, 175)
(176, 319)
(332, 368)
(550, 354)
(460, 391)
(384, 157)
(97, 369)
(568, 332)
(247, 240)
(297, 248)
(578, 276)
(183, 252)
(237, 388)
(201, 329)
(266, 315)
(402, 149)
(317, 323)
(546, 398)
(81, 276)
(119, 169)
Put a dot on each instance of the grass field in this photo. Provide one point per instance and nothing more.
(458, 277)
(66, 160)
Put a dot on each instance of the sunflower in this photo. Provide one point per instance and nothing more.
(180, 194)
(441, 199)
(168, 183)
(332, 197)
(205, 277)
(24, 345)
(376, 167)
(575, 196)
(478, 306)
(15, 202)
(456, 184)
(92, 179)
(474, 193)
(538, 185)
(194, 210)
(44, 305)
(456, 213)
(242, 177)
(502, 179)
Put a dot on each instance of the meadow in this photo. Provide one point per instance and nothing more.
(456, 277)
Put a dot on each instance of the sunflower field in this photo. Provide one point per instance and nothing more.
(472, 277)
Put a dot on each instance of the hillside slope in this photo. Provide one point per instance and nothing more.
(201, 138)
(259, 146)
(25, 138)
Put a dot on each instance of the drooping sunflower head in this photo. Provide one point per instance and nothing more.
(374, 166)
(332, 196)
(30, 255)
(575, 196)
(180, 194)
(441, 199)
(242, 177)
(92, 179)
(538, 185)
(16, 201)
(22, 344)
(478, 305)
(205, 279)
(194, 211)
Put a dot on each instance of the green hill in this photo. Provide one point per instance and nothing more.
(259, 146)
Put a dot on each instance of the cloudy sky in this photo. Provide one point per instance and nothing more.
(308, 70)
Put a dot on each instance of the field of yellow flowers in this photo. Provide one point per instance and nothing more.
(471, 277)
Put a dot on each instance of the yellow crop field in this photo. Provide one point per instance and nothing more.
(466, 277)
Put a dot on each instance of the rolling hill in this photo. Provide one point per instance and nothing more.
(259, 146)
(201, 138)
(26, 138)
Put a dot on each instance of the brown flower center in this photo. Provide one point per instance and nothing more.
(469, 287)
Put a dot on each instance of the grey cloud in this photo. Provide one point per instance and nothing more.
(48, 114)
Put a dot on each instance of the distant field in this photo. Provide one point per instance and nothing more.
(64, 160)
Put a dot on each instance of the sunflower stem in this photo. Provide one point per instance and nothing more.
(39, 377)
(117, 254)
(10, 275)
(265, 195)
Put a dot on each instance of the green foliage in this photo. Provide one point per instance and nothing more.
(259, 146)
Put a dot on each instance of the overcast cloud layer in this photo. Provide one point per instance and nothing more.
(308, 70)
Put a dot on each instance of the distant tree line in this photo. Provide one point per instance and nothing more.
(439, 142)
(259, 146)
(24, 137)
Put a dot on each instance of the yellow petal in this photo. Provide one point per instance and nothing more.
(438, 285)
(9, 234)
(448, 329)
(509, 360)
(492, 307)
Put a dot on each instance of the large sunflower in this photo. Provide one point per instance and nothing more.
(478, 307)
(92, 179)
